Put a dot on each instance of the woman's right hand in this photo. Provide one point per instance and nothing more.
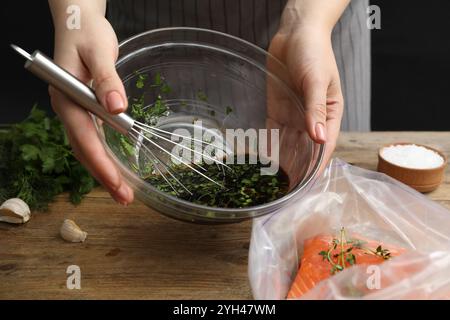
(90, 54)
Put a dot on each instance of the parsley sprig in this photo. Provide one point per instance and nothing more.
(37, 163)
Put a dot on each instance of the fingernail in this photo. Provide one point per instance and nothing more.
(123, 194)
(114, 102)
(320, 132)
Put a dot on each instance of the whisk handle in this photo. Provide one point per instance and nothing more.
(47, 70)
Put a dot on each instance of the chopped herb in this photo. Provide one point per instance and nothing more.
(243, 186)
(202, 96)
(157, 80)
(126, 145)
(150, 114)
(166, 88)
(146, 113)
(228, 110)
(140, 82)
(137, 108)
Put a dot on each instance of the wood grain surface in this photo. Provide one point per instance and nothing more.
(135, 253)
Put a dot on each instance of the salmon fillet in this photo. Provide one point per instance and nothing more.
(314, 268)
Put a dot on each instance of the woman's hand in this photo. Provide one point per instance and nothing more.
(305, 48)
(90, 54)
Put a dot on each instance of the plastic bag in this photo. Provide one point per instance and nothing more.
(366, 203)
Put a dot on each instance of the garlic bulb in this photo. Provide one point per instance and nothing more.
(71, 232)
(14, 210)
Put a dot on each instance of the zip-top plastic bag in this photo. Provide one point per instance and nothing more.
(368, 205)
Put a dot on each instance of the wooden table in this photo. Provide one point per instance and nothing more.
(135, 253)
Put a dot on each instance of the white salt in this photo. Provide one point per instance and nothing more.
(412, 156)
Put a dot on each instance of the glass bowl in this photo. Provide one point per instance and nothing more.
(225, 82)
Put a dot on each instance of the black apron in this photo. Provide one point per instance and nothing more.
(257, 21)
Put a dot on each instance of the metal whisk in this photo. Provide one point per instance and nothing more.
(47, 70)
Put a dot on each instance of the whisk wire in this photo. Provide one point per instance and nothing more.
(151, 156)
(187, 148)
(175, 156)
(145, 127)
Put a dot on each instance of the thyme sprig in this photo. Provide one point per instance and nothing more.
(345, 253)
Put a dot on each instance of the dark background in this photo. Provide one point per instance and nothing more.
(410, 63)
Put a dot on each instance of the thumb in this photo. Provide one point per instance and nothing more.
(315, 98)
(108, 86)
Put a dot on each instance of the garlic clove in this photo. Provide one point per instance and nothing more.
(71, 232)
(14, 210)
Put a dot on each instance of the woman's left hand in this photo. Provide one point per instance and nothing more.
(307, 52)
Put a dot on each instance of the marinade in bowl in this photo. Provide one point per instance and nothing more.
(177, 77)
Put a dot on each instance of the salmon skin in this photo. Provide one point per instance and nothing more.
(315, 266)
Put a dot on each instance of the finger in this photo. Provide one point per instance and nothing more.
(100, 61)
(335, 108)
(89, 149)
(315, 99)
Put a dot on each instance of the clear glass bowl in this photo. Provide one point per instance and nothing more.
(227, 83)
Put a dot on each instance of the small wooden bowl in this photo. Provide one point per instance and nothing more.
(423, 180)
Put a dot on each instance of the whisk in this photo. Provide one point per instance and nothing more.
(138, 132)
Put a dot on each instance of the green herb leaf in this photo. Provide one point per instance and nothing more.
(157, 80)
(202, 96)
(324, 254)
(166, 89)
(36, 162)
(140, 82)
(29, 152)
